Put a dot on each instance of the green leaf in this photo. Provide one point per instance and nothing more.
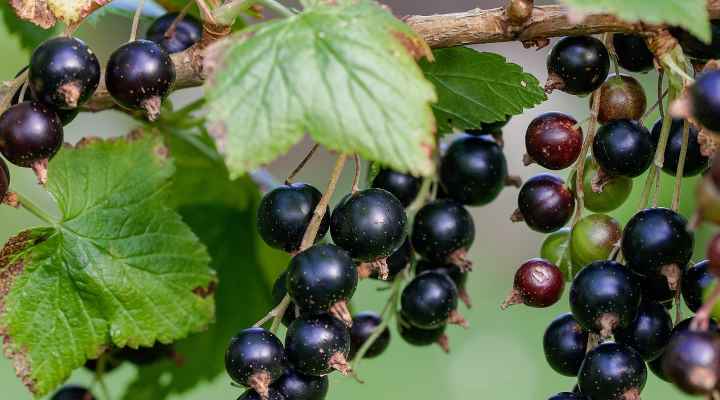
(689, 14)
(120, 268)
(343, 73)
(28, 34)
(475, 88)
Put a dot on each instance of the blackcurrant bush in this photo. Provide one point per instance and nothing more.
(188, 31)
(705, 97)
(621, 97)
(64, 72)
(140, 75)
(593, 238)
(423, 337)
(473, 170)
(397, 262)
(145, 355)
(363, 326)
(692, 361)
(538, 283)
(66, 115)
(695, 281)
(272, 394)
(649, 333)
(577, 65)
(279, 291)
(565, 344)
(403, 186)
(370, 224)
(696, 48)
(443, 232)
(568, 396)
(695, 161)
(633, 53)
(322, 278)
(284, 214)
(605, 296)
(458, 276)
(655, 288)
(553, 140)
(30, 134)
(612, 371)
(656, 241)
(296, 386)
(545, 203)
(623, 147)
(555, 249)
(4, 179)
(73, 392)
(430, 300)
(255, 358)
(602, 193)
(318, 345)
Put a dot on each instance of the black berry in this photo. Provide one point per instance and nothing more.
(554, 140)
(695, 281)
(404, 187)
(458, 276)
(692, 361)
(318, 345)
(649, 333)
(423, 337)
(632, 52)
(188, 31)
(284, 214)
(656, 367)
(545, 203)
(623, 147)
(365, 324)
(577, 65)
(443, 231)
(695, 161)
(296, 386)
(705, 96)
(621, 97)
(538, 283)
(73, 392)
(430, 301)
(655, 288)
(612, 371)
(66, 115)
(565, 345)
(139, 76)
(255, 358)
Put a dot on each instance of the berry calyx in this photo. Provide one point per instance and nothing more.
(284, 214)
(73, 392)
(423, 337)
(430, 301)
(139, 75)
(695, 161)
(296, 386)
(593, 238)
(695, 281)
(544, 203)
(602, 193)
(255, 358)
(473, 170)
(565, 344)
(30, 134)
(705, 98)
(404, 187)
(396, 263)
(63, 72)
(553, 140)
(623, 147)
(66, 115)
(612, 371)
(577, 65)
(318, 345)
(443, 232)
(322, 278)
(363, 326)
(538, 283)
(187, 31)
(605, 296)
(621, 97)
(633, 53)
(691, 361)
(649, 333)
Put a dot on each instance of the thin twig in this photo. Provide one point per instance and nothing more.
(356, 177)
(659, 158)
(656, 105)
(681, 166)
(207, 15)
(136, 20)
(300, 166)
(171, 29)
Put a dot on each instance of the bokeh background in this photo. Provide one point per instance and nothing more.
(499, 357)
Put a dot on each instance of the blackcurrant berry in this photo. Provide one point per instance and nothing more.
(555, 249)
(553, 140)
(430, 301)
(66, 115)
(458, 276)
(370, 224)
(695, 161)
(612, 371)
(404, 187)
(423, 337)
(64, 72)
(696, 48)
(318, 345)
(623, 147)
(705, 97)
(473, 170)
(621, 97)
(593, 238)
(692, 361)
(279, 291)
(695, 281)
(188, 31)
(649, 333)
(322, 278)
(145, 355)
(140, 75)
(538, 283)
(602, 193)
(363, 326)
(73, 392)
(284, 214)
(545, 203)
(565, 344)
(656, 367)
(568, 396)
(577, 65)
(632, 52)
(4, 179)
(296, 386)
(255, 358)
(30, 134)
(655, 288)
(605, 296)
(397, 262)
(272, 394)
(443, 232)
(656, 242)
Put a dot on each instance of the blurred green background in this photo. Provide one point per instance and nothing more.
(499, 357)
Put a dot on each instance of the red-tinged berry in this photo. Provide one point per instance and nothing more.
(633, 53)
(364, 325)
(692, 361)
(430, 300)
(593, 238)
(255, 358)
(538, 283)
(553, 140)
(565, 344)
(187, 31)
(623, 147)
(695, 161)
(612, 371)
(443, 231)
(545, 203)
(296, 386)
(318, 345)
(649, 333)
(621, 97)
(577, 65)
(404, 187)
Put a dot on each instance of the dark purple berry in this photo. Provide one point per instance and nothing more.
(64, 72)
(612, 371)
(73, 392)
(695, 281)
(655, 288)
(692, 361)
(458, 276)
(430, 301)
(545, 203)
(255, 358)
(695, 161)
(649, 333)
(364, 325)
(632, 52)
(404, 187)
(538, 283)
(139, 76)
(296, 386)
(696, 48)
(705, 97)
(577, 65)
(621, 97)
(284, 214)
(554, 140)
(66, 116)
(188, 31)
(565, 344)
(318, 345)
(443, 232)
(623, 147)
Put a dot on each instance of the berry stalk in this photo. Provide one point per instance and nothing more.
(659, 156)
(681, 166)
